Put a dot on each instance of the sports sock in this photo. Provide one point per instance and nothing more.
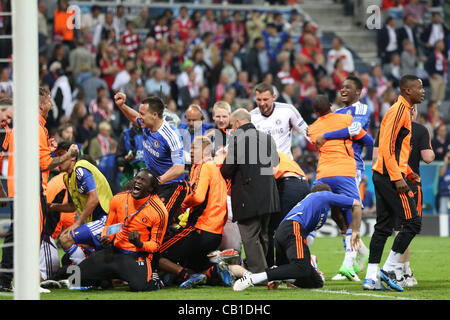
(76, 254)
(350, 254)
(246, 274)
(258, 277)
(392, 264)
(407, 268)
(372, 271)
(363, 250)
(310, 238)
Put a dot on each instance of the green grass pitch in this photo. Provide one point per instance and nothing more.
(430, 257)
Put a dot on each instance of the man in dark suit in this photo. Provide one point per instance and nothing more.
(407, 31)
(435, 31)
(249, 164)
(257, 60)
(387, 41)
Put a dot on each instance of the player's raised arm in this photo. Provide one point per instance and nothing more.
(129, 113)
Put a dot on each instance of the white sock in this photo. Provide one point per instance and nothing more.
(76, 254)
(407, 268)
(310, 238)
(392, 264)
(350, 255)
(258, 277)
(372, 271)
(363, 250)
(246, 274)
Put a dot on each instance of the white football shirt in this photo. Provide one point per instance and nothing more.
(279, 124)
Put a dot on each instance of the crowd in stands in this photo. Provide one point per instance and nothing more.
(189, 56)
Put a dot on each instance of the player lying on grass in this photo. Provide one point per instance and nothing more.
(290, 239)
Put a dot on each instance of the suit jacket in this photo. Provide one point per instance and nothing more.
(249, 164)
(402, 35)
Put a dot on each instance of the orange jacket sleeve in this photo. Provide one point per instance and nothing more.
(395, 123)
(112, 217)
(45, 157)
(158, 226)
(198, 194)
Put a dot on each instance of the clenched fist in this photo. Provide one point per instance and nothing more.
(119, 99)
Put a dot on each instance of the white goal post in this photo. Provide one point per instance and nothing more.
(26, 155)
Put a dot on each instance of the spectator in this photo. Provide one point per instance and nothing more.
(284, 75)
(408, 59)
(151, 53)
(236, 29)
(434, 117)
(85, 131)
(204, 100)
(339, 74)
(436, 67)
(434, 32)
(416, 10)
(120, 20)
(243, 86)
(142, 21)
(78, 113)
(101, 93)
(102, 31)
(262, 198)
(440, 142)
(274, 41)
(6, 85)
(130, 39)
(423, 119)
(103, 111)
(61, 93)
(300, 66)
(201, 68)
(219, 90)
(227, 66)
(339, 52)
(156, 83)
(61, 32)
(160, 30)
(287, 94)
(208, 23)
(100, 145)
(189, 92)
(257, 60)
(184, 23)
(255, 25)
(379, 81)
(65, 132)
(110, 65)
(407, 31)
(311, 29)
(392, 70)
(130, 89)
(389, 98)
(80, 59)
(42, 24)
(91, 85)
(326, 88)
(123, 77)
(387, 43)
(59, 54)
(90, 20)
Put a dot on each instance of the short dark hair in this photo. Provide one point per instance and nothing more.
(6, 101)
(321, 104)
(407, 79)
(320, 187)
(356, 81)
(64, 145)
(155, 104)
(263, 87)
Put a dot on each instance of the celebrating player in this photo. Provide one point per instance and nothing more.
(350, 92)
(277, 119)
(163, 150)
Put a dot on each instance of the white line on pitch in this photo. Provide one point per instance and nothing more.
(362, 294)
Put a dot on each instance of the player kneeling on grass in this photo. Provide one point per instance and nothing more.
(185, 255)
(134, 231)
(89, 194)
(290, 239)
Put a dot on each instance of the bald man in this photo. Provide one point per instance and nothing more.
(249, 164)
(194, 126)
